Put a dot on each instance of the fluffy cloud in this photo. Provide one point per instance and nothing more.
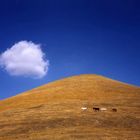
(25, 58)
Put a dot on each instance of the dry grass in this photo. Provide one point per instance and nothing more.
(53, 111)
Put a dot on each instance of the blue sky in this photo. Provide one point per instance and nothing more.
(77, 36)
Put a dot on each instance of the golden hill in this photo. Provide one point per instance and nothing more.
(53, 111)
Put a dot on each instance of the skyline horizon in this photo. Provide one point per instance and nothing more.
(72, 76)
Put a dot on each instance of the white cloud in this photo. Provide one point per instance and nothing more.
(25, 58)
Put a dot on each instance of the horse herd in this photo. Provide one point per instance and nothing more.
(97, 109)
(104, 109)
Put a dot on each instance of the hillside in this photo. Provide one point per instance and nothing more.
(53, 111)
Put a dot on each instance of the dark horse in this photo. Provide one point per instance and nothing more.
(96, 108)
(114, 109)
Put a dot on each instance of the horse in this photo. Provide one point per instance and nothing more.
(114, 109)
(96, 108)
(84, 108)
(103, 109)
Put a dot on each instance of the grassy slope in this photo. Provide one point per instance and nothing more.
(53, 111)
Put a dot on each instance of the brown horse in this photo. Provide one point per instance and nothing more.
(114, 109)
(96, 108)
